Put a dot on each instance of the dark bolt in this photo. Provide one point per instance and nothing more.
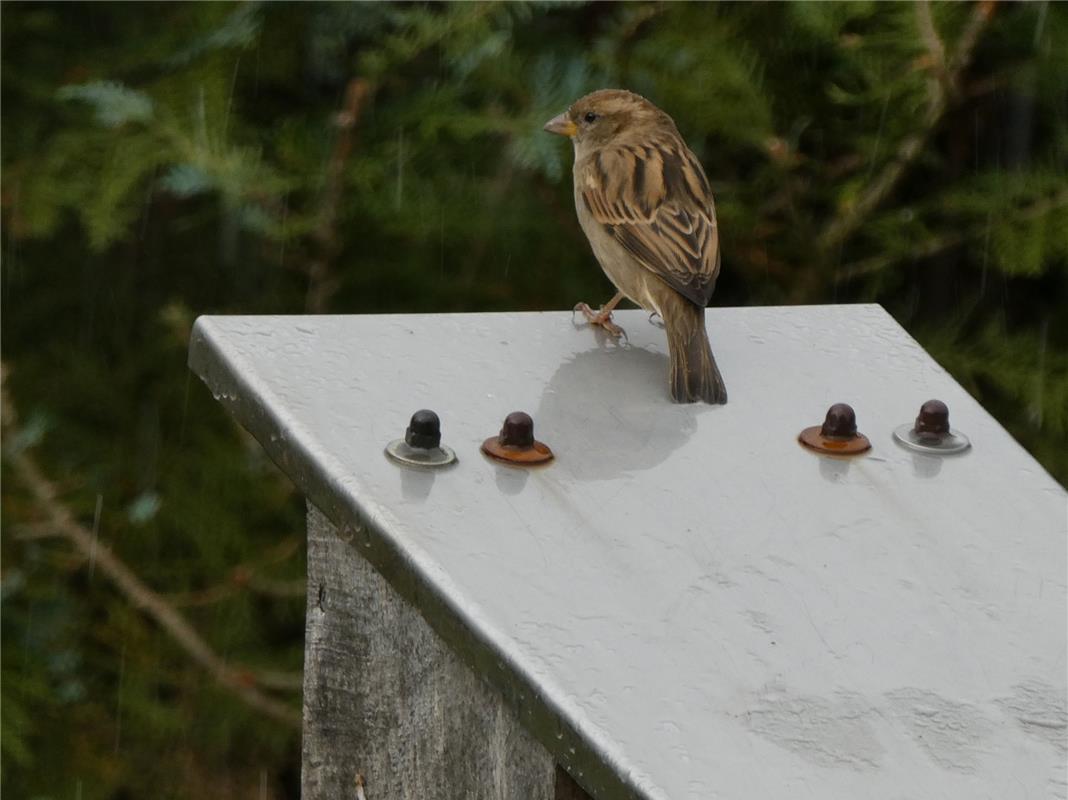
(424, 431)
(518, 430)
(840, 423)
(933, 421)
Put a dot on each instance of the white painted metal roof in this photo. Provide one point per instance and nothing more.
(687, 603)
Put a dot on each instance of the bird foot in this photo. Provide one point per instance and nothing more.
(602, 319)
(656, 320)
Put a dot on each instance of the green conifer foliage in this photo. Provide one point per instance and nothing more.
(166, 160)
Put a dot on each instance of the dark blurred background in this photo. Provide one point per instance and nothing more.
(164, 161)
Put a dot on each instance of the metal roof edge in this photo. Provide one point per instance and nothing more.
(593, 763)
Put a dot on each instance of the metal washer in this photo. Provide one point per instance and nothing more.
(427, 458)
(854, 445)
(953, 442)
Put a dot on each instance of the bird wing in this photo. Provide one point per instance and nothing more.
(655, 200)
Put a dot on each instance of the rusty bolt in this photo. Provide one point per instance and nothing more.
(838, 435)
(933, 421)
(516, 443)
(840, 422)
(517, 431)
(424, 430)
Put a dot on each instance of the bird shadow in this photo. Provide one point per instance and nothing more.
(608, 412)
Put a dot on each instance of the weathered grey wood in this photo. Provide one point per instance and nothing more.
(384, 697)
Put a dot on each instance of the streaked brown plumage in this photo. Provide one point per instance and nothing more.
(646, 207)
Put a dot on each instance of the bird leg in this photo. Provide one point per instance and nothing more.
(603, 318)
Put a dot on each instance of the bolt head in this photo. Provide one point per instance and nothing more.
(518, 430)
(840, 422)
(424, 430)
(933, 420)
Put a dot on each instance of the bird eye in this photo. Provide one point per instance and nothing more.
(590, 116)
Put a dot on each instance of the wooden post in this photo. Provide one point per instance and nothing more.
(386, 699)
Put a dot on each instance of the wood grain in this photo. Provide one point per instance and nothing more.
(386, 699)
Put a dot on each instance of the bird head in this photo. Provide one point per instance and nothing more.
(608, 116)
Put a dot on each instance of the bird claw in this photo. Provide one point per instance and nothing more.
(657, 320)
(602, 319)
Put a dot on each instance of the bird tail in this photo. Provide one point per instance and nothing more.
(694, 375)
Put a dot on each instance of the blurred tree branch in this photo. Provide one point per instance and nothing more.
(246, 577)
(936, 51)
(322, 284)
(943, 89)
(241, 681)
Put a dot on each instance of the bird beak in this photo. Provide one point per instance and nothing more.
(561, 125)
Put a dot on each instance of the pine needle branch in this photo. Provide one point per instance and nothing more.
(321, 284)
(941, 92)
(248, 576)
(939, 244)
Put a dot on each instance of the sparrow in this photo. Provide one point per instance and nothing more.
(646, 208)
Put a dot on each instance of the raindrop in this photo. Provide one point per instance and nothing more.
(230, 98)
(878, 139)
(986, 255)
(118, 699)
(1040, 377)
(441, 244)
(202, 119)
(1040, 23)
(96, 532)
(282, 236)
(399, 194)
